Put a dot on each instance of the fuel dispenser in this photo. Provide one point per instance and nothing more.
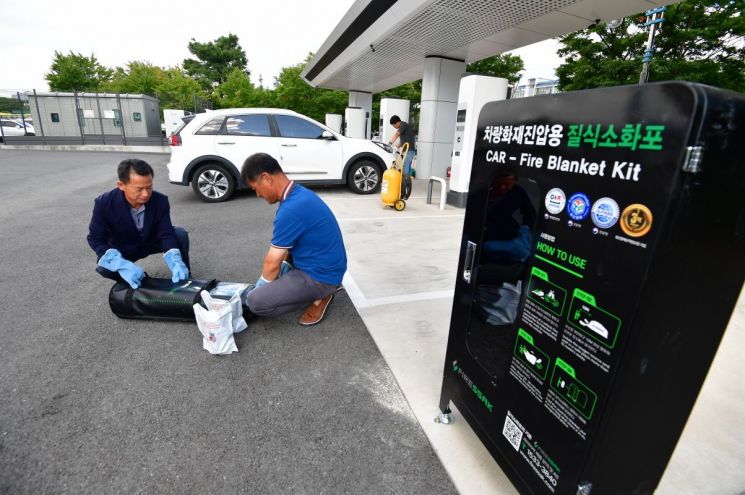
(388, 108)
(601, 258)
(475, 91)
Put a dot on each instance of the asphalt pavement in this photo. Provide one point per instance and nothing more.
(90, 403)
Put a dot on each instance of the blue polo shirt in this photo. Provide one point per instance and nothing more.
(306, 227)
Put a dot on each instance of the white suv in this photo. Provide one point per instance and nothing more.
(208, 151)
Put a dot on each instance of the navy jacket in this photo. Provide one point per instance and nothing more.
(112, 225)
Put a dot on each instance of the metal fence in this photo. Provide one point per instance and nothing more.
(55, 118)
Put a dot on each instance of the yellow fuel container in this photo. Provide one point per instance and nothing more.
(390, 187)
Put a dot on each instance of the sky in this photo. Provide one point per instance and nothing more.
(273, 34)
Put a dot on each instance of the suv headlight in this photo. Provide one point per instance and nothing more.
(386, 147)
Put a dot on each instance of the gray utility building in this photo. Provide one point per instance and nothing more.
(95, 117)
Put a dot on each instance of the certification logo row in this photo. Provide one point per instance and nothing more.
(635, 219)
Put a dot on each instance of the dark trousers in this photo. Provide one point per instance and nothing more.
(292, 291)
(182, 238)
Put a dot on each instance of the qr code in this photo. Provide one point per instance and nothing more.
(512, 432)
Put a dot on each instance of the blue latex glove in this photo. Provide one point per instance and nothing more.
(112, 260)
(176, 265)
(286, 267)
(261, 282)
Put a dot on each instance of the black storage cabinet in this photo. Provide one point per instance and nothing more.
(579, 365)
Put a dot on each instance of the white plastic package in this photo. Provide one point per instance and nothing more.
(216, 327)
(228, 289)
(236, 308)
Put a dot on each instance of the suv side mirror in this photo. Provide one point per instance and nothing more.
(327, 135)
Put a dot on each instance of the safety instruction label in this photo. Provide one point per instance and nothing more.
(540, 320)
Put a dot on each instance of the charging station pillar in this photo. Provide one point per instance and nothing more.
(475, 91)
(437, 113)
(363, 100)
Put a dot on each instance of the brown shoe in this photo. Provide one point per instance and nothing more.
(315, 312)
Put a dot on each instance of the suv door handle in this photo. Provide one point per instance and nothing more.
(226, 142)
(289, 145)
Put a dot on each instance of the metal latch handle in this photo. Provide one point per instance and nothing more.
(470, 258)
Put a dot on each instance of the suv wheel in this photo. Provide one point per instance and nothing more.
(212, 183)
(364, 177)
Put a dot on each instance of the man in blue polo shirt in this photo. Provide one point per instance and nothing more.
(131, 222)
(305, 230)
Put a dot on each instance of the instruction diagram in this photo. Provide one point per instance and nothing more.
(535, 359)
(587, 317)
(565, 383)
(546, 293)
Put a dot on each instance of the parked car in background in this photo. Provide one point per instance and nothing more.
(209, 149)
(13, 127)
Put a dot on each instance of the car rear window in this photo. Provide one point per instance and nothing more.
(211, 127)
(295, 127)
(248, 125)
(180, 128)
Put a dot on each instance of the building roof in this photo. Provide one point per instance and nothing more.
(381, 44)
(30, 94)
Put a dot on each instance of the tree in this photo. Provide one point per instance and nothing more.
(238, 91)
(76, 72)
(700, 40)
(215, 60)
(292, 92)
(507, 66)
(8, 105)
(177, 90)
(172, 86)
(138, 77)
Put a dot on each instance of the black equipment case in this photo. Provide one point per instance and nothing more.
(158, 299)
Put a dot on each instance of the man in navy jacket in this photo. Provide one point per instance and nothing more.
(131, 222)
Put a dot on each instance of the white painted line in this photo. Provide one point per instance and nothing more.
(395, 217)
(354, 292)
(407, 298)
(360, 301)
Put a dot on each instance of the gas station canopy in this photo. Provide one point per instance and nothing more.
(381, 44)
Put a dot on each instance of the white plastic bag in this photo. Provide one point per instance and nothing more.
(236, 308)
(228, 289)
(216, 327)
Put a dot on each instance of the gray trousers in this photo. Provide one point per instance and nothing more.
(292, 291)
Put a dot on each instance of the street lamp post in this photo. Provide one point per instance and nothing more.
(654, 17)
